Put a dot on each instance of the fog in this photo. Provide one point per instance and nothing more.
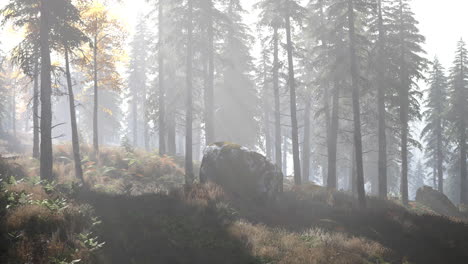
(253, 121)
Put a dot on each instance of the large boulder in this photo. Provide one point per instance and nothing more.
(436, 201)
(241, 172)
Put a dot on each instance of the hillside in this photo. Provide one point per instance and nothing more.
(137, 211)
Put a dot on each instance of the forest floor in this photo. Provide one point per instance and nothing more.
(201, 226)
(144, 214)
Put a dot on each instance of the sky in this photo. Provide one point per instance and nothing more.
(443, 23)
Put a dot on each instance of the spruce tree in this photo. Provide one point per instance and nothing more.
(457, 114)
(434, 133)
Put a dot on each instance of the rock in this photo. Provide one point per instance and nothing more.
(241, 172)
(436, 201)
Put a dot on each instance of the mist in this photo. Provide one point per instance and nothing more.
(215, 131)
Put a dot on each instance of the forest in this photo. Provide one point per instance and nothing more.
(229, 131)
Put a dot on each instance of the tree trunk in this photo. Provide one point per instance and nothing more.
(189, 176)
(135, 117)
(162, 88)
(36, 152)
(333, 139)
(356, 108)
(285, 155)
(276, 91)
(404, 116)
(440, 158)
(145, 119)
(46, 160)
(326, 95)
(306, 144)
(353, 176)
(292, 90)
(13, 113)
(96, 99)
(382, 159)
(74, 125)
(209, 92)
(266, 110)
(171, 109)
(462, 128)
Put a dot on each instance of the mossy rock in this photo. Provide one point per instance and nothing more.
(241, 172)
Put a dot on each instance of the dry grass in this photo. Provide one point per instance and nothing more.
(314, 246)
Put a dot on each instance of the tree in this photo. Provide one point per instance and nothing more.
(106, 37)
(356, 106)
(270, 18)
(189, 176)
(406, 43)
(209, 101)
(236, 98)
(435, 130)
(457, 114)
(292, 10)
(162, 88)
(382, 112)
(137, 82)
(72, 38)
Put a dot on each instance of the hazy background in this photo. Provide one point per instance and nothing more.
(442, 22)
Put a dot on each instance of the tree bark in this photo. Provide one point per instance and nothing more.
(292, 92)
(333, 139)
(276, 91)
(46, 160)
(382, 159)
(96, 98)
(162, 88)
(36, 140)
(189, 176)
(356, 107)
(74, 125)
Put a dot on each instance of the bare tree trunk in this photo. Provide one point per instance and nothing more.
(74, 125)
(46, 160)
(462, 128)
(96, 98)
(382, 159)
(266, 110)
(171, 119)
(189, 176)
(276, 91)
(292, 90)
(306, 144)
(135, 117)
(440, 159)
(285, 155)
(145, 120)
(404, 116)
(209, 92)
(36, 125)
(356, 108)
(13, 113)
(162, 88)
(333, 138)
